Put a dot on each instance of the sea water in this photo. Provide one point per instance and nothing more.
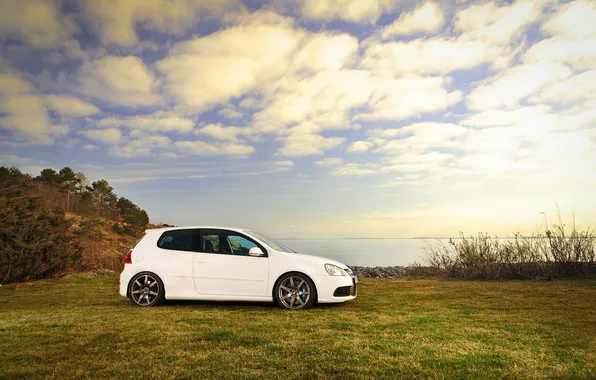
(365, 252)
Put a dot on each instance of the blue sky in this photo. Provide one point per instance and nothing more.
(322, 118)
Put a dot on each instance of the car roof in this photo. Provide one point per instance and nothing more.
(163, 229)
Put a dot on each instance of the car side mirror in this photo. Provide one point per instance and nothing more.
(256, 252)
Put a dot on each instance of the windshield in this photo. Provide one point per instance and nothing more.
(271, 242)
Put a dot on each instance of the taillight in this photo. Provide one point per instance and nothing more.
(128, 259)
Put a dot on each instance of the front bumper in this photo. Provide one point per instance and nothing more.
(327, 287)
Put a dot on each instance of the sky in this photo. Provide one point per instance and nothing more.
(312, 118)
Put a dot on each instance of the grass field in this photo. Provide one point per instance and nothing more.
(80, 327)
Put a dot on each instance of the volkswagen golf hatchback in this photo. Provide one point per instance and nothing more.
(229, 264)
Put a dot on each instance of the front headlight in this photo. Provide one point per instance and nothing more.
(334, 270)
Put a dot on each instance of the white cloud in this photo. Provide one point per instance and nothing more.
(502, 117)
(359, 146)
(495, 23)
(120, 81)
(220, 132)
(435, 55)
(117, 20)
(434, 164)
(305, 144)
(580, 54)
(574, 20)
(329, 161)
(323, 99)
(26, 115)
(202, 148)
(212, 69)
(355, 170)
(89, 147)
(420, 137)
(284, 164)
(13, 84)
(12, 159)
(230, 113)
(157, 122)
(69, 106)
(426, 18)
(325, 52)
(510, 86)
(367, 11)
(35, 22)
(249, 103)
(579, 87)
(486, 32)
(395, 99)
(573, 37)
(140, 144)
(108, 135)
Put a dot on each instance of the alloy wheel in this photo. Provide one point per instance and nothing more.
(145, 290)
(294, 292)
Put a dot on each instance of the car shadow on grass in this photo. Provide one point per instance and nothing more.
(240, 304)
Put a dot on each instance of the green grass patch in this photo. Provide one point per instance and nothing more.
(79, 327)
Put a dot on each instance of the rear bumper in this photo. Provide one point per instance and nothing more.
(125, 277)
(327, 286)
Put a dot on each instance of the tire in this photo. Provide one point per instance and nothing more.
(146, 289)
(294, 291)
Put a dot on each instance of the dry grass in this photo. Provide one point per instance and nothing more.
(79, 327)
(103, 249)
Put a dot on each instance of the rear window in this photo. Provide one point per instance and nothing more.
(179, 240)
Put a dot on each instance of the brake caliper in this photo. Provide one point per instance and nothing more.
(303, 296)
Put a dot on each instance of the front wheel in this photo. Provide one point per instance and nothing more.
(146, 289)
(295, 291)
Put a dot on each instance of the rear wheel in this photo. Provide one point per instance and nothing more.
(295, 291)
(146, 289)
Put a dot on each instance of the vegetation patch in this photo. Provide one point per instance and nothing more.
(58, 222)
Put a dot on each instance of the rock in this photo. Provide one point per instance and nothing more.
(393, 272)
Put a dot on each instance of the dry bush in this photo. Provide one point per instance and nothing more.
(556, 253)
(101, 249)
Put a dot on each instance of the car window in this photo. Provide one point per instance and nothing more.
(210, 243)
(179, 240)
(271, 242)
(227, 242)
(240, 245)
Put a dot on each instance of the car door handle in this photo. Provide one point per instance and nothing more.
(200, 261)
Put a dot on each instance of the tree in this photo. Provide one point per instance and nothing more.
(10, 176)
(67, 181)
(132, 214)
(82, 182)
(104, 195)
(48, 175)
(66, 176)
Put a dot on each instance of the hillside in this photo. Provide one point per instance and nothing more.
(59, 222)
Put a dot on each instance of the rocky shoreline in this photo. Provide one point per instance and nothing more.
(395, 272)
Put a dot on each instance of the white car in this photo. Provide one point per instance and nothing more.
(229, 264)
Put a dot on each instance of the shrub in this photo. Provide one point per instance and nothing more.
(118, 228)
(556, 253)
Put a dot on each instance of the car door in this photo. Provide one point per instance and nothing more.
(222, 265)
(174, 262)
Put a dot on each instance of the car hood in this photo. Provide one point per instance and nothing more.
(320, 260)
